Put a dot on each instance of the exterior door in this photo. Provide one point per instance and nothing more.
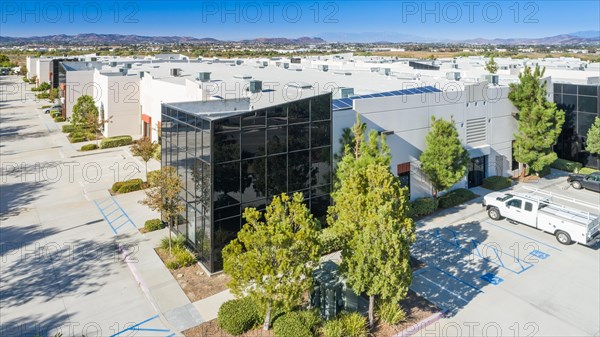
(513, 209)
(477, 171)
(528, 214)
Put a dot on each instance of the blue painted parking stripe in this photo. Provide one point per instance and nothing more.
(128, 218)
(150, 329)
(458, 279)
(109, 214)
(104, 216)
(135, 326)
(171, 335)
(117, 218)
(525, 236)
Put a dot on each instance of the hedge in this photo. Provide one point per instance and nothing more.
(566, 165)
(55, 113)
(496, 183)
(152, 176)
(421, 207)
(89, 147)
(77, 138)
(238, 316)
(153, 225)
(115, 142)
(68, 128)
(588, 170)
(456, 197)
(131, 186)
(59, 119)
(291, 324)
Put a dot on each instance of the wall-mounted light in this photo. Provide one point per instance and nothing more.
(386, 132)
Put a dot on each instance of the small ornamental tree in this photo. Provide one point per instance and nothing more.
(491, 66)
(540, 122)
(444, 159)
(163, 197)
(84, 111)
(144, 148)
(23, 70)
(369, 217)
(273, 260)
(593, 138)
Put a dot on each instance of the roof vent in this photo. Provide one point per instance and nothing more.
(242, 76)
(175, 72)
(299, 85)
(123, 71)
(203, 76)
(255, 86)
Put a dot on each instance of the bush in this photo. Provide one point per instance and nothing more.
(59, 119)
(115, 141)
(391, 313)
(45, 106)
(496, 183)
(456, 197)
(355, 324)
(77, 138)
(329, 241)
(182, 257)
(115, 187)
(55, 113)
(312, 319)
(238, 316)
(566, 165)
(25, 79)
(157, 153)
(291, 324)
(89, 147)
(152, 176)
(333, 328)
(178, 241)
(68, 128)
(43, 95)
(153, 225)
(131, 186)
(421, 207)
(587, 170)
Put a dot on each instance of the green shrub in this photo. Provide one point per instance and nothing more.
(68, 128)
(89, 147)
(421, 207)
(178, 241)
(238, 316)
(157, 153)
(152, 176)
(115, 141)
(311, 318)
(25, 79)
(115, 187)
(566, 165)
(291, 324)
(333, 328)
(329, 241)
(45, 106)
(355, 324)
(183, 257)
(587, 170)
(496, 183)
(131, 185)
(456, 197)
(391, 313)
(153, 225)
(55, 113)
(43, 95)
(77, 138)
(59, 119)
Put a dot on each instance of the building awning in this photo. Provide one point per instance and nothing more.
(479, 151)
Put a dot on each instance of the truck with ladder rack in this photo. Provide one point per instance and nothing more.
(538, 209)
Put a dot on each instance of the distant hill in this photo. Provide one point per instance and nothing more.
(564, 39)
(116, 39)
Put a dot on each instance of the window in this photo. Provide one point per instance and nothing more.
(276, 140)
(587, 104)
(321, 134)
(514, 203)
(253, 143)
(276, 116)
(227, 146)
(528, 206)
(298, 137)
(404, 176)
(320, 108)
(299, 111)
(298, 170)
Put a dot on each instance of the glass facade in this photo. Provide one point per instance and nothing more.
(581, 105)
(243, 160)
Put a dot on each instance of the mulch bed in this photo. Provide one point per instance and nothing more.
(194, 282)
(417, 309)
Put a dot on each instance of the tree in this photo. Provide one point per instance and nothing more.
(144, 148)
(272, 261)
(593, 138)
(540, 122)
(84, 111)
(23, 70)
(369, 216)
(444, 159)
(491, 66)
(95, 124)
(5, 61)
(163, 196)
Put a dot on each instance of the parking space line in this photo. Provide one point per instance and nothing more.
(458, 279)
(525, 236)
(444, 288)
(106, 206)
(137, 327)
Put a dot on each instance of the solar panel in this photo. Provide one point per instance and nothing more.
(347, 103)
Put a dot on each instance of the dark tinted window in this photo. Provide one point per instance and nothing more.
(320, 108)
(226, 146)
(298, 137)
(587, 104)
(255, 120)
(321, 134)
(253, 179)
(227, 124)
(299, 167)
(569, 89)
(253, 143)
(569, 103)
(589, 90)
(528, 206)
(585, 122)
(320, 166)
(277, 140)
(515, 203)
(277, 116)
(299, 111)
(227, 184)
(276, 175)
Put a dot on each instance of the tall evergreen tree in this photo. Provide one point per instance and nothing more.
(444, 159)
(540, 122)
(593, 138)
(272, 261)
(369, 216)
(84, 110)
(491, 66)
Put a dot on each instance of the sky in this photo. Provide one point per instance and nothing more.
(332, 20)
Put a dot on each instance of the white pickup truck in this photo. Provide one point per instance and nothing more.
(532, 209)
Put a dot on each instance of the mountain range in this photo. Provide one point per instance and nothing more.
(584, 37)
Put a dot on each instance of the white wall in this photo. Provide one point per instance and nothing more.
(31, 67)
(120, 98)
(43, 70)
(79, 83)
(409, 117)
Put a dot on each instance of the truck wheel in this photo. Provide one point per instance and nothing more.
(563, 237)
(576, 185)
(494, 213)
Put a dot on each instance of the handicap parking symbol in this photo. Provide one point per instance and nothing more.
(539, 254)
(491, 278)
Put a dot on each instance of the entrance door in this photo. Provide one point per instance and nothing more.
(477, 171)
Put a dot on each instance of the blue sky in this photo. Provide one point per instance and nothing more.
(231, 20)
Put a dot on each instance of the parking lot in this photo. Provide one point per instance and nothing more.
(495, 278)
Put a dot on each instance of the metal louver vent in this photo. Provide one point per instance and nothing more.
(476, 130)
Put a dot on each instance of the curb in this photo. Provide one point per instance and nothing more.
(413, 329)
